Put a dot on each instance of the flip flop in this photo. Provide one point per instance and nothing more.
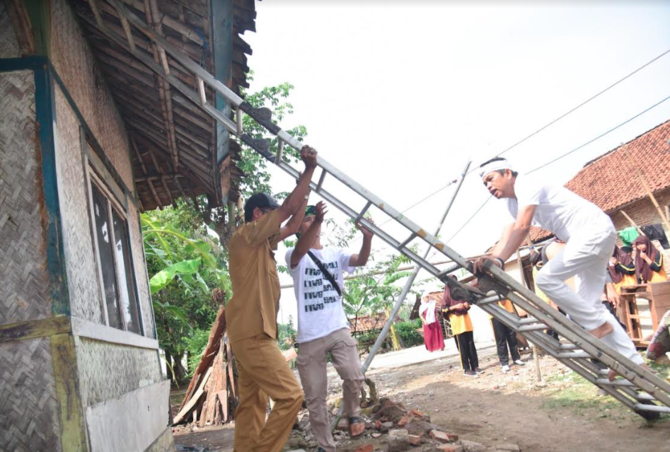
(354, 423)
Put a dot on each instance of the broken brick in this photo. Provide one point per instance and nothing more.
(439, 436)
(378, 425)
(414, 440)
(366, 448)
(448, 448)
(415, 412)
(403, 422)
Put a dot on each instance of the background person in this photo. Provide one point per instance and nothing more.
(649, 266)
(432, 330)
(461, 327)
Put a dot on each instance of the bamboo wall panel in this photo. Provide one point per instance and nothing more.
(23, 266)
(9, 45)
(72, 191)
(72, 58)
(107, 371)
(28, 405)
(137, 246)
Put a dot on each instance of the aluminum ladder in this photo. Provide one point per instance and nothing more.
(638, 389)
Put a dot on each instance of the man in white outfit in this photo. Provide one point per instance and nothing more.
(590, 238)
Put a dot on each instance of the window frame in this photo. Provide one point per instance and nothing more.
(113, 205)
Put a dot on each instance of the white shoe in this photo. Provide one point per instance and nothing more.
(518, 362)
(505, 369)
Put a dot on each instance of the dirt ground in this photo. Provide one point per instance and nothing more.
(563, 413)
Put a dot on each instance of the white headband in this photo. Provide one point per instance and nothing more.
(495, 166)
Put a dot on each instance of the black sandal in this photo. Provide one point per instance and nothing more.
(353, 420)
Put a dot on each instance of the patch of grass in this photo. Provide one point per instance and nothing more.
(570, 390)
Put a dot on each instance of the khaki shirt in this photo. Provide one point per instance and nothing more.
(253, 271)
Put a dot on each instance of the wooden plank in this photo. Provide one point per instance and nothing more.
(194, 400)
(70, 408)
(35, 328)
(213, 342)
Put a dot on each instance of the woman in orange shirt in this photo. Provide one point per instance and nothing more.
(461, 326)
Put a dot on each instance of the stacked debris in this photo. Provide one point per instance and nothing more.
(391, 427)
(211, 396)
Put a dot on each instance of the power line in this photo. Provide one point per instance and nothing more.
(584, 103)
(565, 155)
(572, 110)
(469, 219)
(599, 136)
(545, 127)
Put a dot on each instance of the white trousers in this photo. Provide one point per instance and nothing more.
(585, 257)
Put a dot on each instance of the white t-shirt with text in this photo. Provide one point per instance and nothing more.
(320, 310)
(558, 209)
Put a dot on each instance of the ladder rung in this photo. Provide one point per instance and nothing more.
(238, 119)
(535, 327)
(321, 179)
(602, 381)
(527, 320)
(568, 347)
(280, 149)
(201, 90)
(655, 408)
(604, 372)
(409, 239)
(362, 213)
(573, 355)
(644, 396)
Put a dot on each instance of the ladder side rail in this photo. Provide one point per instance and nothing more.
(585, 368)
(569, 329)
(601, 351)
(426, 265)
(185, 60)
(238, 102)
(651, 383)
(590, 371)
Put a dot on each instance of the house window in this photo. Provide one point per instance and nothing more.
(114, 260)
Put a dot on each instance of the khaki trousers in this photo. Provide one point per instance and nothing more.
(263, 372)
(312, 360)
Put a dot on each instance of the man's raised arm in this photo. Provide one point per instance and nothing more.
(295, 200)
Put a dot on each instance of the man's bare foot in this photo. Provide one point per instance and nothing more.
(602, 331)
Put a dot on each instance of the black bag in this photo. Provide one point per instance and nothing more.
(325, 273)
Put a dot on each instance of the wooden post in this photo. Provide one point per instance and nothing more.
(646, 187)
(538, 371)
(630, 220)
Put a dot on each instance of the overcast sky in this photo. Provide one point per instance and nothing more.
(399, 97)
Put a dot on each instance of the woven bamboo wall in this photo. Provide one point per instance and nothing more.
(141, 272)
(74, 63)
(9, 45)
(108, 371)
(23, 292)
(72, 192)
(28, 407)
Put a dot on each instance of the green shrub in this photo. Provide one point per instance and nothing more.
(408, 334)
(195, 345)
